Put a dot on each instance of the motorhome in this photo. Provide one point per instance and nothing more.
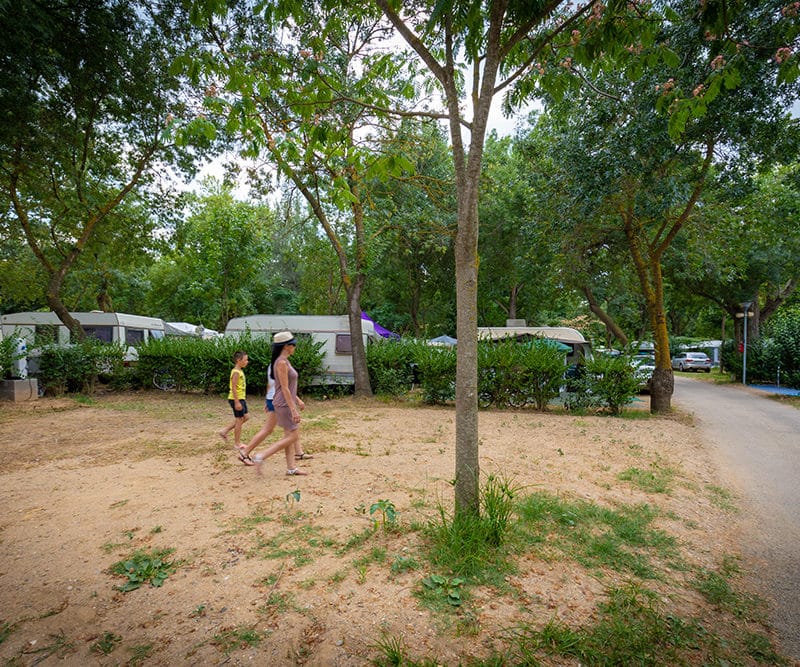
(43, 328)
(333, 331)
(580, 348)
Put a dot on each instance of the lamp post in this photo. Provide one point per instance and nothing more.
(745, 306)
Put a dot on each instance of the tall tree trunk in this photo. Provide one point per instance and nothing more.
(466, 256)
(360, 373)
(53, 296)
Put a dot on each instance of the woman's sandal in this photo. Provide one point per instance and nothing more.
(296, 471)
(302, 456)
(244, 458)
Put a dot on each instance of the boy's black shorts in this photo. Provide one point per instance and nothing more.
(238, 413)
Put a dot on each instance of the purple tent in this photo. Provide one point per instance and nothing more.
(381, 331)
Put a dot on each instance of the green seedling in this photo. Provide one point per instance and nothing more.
(388, 513)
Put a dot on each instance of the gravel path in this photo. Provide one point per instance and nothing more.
(756, 442)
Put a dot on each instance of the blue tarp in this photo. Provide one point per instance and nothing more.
(443, 340)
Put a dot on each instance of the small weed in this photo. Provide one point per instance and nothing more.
(140, 653)
(404, 564)
(231, 639)
(142, 567)
(355, 541)
(337, 577)
(437, 588)
(108, 547)
(156, 529)
(393, 650)
(721, 497)
(198, 611)
(119, 503)
(106, 644)
(388, 513)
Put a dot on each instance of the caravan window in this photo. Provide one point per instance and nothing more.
(102, 333)
(134, 336)
(343, 344)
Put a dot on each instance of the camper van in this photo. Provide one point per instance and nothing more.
(43, 328)
(579, 347)
(333, 331)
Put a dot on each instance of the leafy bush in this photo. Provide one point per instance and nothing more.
(611, 381)
(437, 371)
(78, 366)
(391, 365)
(517, 374)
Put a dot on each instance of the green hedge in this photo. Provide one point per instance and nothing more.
(510, 374)
(79, 366)
(192, 364)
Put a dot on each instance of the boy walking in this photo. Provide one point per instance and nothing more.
(237, 395)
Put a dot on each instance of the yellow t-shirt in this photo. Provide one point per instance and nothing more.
(241, 385)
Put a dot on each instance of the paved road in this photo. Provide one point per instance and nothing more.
(756, 442)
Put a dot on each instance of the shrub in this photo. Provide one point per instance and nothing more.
(611, 381)
(437, 371)
(391, 365)
(78, 366)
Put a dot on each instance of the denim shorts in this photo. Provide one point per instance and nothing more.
(269, 406)
(238, 413)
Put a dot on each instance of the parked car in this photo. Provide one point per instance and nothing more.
(643, 365)
(692, 361)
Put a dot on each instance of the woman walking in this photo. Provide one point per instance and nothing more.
(286, 402)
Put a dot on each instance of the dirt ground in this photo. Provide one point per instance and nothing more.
(84, 484)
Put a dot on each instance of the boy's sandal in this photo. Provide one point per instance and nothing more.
(296, 471)
(244, 458)
(303, 456)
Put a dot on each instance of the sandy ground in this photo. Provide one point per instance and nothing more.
(82, 485)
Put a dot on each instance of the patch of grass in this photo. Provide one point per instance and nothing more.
(470, 545)
(301, 544)
(245, 524)
(230, 639)
(722, 498)
(143, 567)
(715, 586)
(278, 603)
(355, 541)
(404, 564)
(656, 479)
(596, 537)
(632, 630)
(139, 653)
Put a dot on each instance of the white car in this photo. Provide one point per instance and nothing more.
(643, 367)
(691, 361)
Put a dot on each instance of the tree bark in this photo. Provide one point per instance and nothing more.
(612, 327)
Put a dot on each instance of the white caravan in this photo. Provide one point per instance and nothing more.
(43, 328)
(333, 331)
(580, 347)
